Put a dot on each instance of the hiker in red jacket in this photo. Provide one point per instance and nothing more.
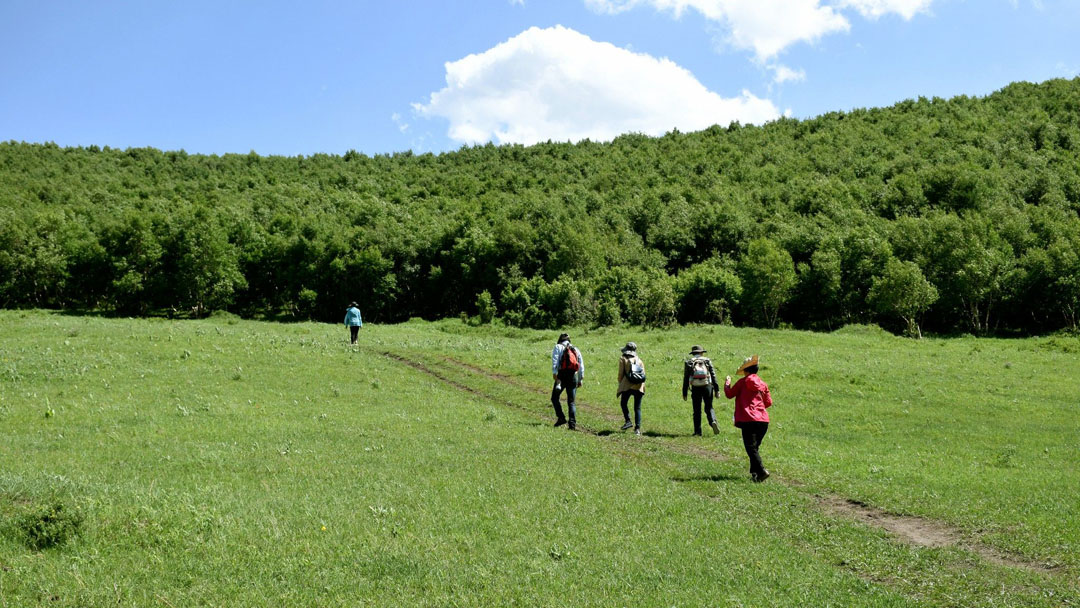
(751, 400)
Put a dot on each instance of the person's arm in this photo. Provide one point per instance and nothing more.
(766, 397)
(359, 318)
(712, 380)
(622, 370)
(685, 380)
(581, 366)
(731, 390)
(555, 352)
(346, 318)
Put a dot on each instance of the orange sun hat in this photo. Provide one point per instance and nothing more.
(747, 362)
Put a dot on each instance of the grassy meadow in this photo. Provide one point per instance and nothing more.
(225, 462)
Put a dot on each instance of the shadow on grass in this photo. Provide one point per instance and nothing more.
(610, 432)
(721, 477)
(659, 434)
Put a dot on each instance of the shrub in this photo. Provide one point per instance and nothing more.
(485, 307)
(706, 291)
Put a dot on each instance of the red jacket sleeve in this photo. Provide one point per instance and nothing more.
(731, 391)
(766, 397)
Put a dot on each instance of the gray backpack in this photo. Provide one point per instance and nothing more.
(699, 372)
(635, 372)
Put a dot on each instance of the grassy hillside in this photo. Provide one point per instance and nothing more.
(972, 203)
(242, 463)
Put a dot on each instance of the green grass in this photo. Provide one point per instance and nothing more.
(238, 463)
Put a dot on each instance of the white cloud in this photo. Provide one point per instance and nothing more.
(401, 124)
(766, 27)
(782, 74)
(873, 9)
(1064, 70)
(558, 84)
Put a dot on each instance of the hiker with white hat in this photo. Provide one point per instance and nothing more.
(699, 379)
(752, 398)
(631, 383)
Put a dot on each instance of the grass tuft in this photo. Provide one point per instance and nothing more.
(49, 525)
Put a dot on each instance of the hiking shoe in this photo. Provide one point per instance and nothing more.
(697, 433)
(763, 475)
(637, 432)
(560, 422)
(715, 429)
(571, 426)
(627, 425)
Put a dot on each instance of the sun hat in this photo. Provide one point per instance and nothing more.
(629, 348)
(352, 304)
(563, 337)
(747, 362)
(697, 350)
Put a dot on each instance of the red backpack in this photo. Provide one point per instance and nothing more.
(569, 361)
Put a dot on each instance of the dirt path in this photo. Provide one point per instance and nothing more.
(908, 529)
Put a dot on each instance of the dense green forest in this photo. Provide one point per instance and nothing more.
(959, 215)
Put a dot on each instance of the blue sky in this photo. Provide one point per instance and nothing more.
(295, 78)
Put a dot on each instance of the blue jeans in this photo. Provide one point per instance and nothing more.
(637, 407)
(569, 384)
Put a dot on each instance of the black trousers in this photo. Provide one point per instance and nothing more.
(637, 406)
(752, 435)
(353, 330)
(702, 395)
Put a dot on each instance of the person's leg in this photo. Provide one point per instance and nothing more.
(709, 415)
(696, 397)
(637, 409)
(571, 402)
(353, 331)
(556, 391)
(570, 386)
(624, 398)
(753, 433)
(751, 448)
(759, 436)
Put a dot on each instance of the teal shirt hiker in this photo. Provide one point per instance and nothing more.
(352, 317)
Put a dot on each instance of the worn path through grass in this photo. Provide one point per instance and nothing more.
(916, 556)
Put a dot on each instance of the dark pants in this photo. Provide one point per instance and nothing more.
(637, 407)
(569, 384)
(353, 331)
(701, 394)
(752, 435)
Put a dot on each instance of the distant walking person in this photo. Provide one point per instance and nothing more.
(631, 383)
(353, 321)
(752, 398)
(700, 380)
(568, 371)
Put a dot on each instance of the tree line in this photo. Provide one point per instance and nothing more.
(959, 215)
